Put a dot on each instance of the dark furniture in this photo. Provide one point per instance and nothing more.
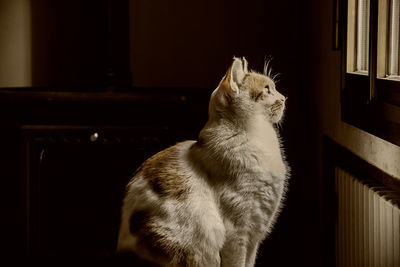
(67, 156)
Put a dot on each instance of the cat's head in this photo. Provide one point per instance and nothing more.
(243, 94)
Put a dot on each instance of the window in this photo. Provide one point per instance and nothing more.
(370, 44)
(358, 37)
(393, 40)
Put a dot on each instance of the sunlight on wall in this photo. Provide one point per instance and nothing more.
(372, 149)
(15, 43)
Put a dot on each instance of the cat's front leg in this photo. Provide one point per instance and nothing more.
(251, 253)
(233, 253)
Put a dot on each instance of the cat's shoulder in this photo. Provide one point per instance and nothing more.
(167, 157)
(172, 153)
(167, 172)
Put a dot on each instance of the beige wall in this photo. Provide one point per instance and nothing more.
(378, 152)
(15, 43)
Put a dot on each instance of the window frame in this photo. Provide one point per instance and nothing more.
(367, 102)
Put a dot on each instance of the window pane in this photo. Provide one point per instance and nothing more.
(358, 36)
(362, 31)
(394, 32)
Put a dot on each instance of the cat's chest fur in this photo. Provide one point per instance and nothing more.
(264, 145)
(249, 198)
(250, 203)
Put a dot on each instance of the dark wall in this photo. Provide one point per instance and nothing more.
(80, 45)
(172, 43)
(181, 43)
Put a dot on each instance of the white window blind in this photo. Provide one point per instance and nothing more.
(394, 33)
(362, 36)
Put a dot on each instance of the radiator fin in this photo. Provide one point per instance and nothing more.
(368, 223)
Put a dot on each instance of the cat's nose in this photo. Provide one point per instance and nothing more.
(281, 100)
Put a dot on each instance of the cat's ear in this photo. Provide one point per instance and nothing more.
(245, 65)
(234, 76)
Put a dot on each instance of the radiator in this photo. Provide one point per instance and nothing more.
(368, 223)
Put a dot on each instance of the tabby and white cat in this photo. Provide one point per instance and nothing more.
(211, 202)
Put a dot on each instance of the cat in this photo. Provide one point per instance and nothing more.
(211, 202)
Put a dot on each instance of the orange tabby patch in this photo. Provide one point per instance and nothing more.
(165, 176)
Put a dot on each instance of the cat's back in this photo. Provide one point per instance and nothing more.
(168, 172)
(163, 177)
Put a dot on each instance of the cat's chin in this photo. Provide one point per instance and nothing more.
(276, 118)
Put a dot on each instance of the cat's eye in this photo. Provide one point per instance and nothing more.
(268, 90)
